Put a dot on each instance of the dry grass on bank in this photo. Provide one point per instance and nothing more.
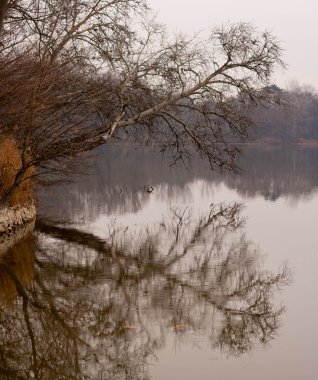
(10, 163)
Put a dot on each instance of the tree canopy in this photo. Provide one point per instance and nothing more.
(75, 74)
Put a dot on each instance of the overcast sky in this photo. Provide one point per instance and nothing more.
(294, 22)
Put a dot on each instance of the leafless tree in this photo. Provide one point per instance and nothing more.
(84, 308)
(76, 74)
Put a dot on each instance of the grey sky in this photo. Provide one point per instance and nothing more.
(294, 22)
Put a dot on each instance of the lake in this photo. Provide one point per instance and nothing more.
(140, 270)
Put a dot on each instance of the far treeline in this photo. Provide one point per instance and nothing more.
(295, 120)
(75, 74)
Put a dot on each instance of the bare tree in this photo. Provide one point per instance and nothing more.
(76, 74)
(88, 308)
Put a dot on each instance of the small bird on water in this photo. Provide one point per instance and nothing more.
(148, 189)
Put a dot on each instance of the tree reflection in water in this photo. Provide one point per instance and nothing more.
(92, 309)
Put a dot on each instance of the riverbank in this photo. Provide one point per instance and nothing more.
(9, 241)
(13, 219)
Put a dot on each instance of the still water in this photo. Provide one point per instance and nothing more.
(143, 271)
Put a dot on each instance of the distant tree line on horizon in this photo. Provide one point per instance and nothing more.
(290, 117)
(295, 120)
(73, 74)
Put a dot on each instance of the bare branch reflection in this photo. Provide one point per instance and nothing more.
(74, 306)
(117, 178)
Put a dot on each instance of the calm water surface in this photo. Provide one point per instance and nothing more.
(205, 277)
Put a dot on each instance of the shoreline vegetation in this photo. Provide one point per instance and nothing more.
(78, 76)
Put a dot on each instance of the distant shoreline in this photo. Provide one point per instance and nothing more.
(302, 143)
